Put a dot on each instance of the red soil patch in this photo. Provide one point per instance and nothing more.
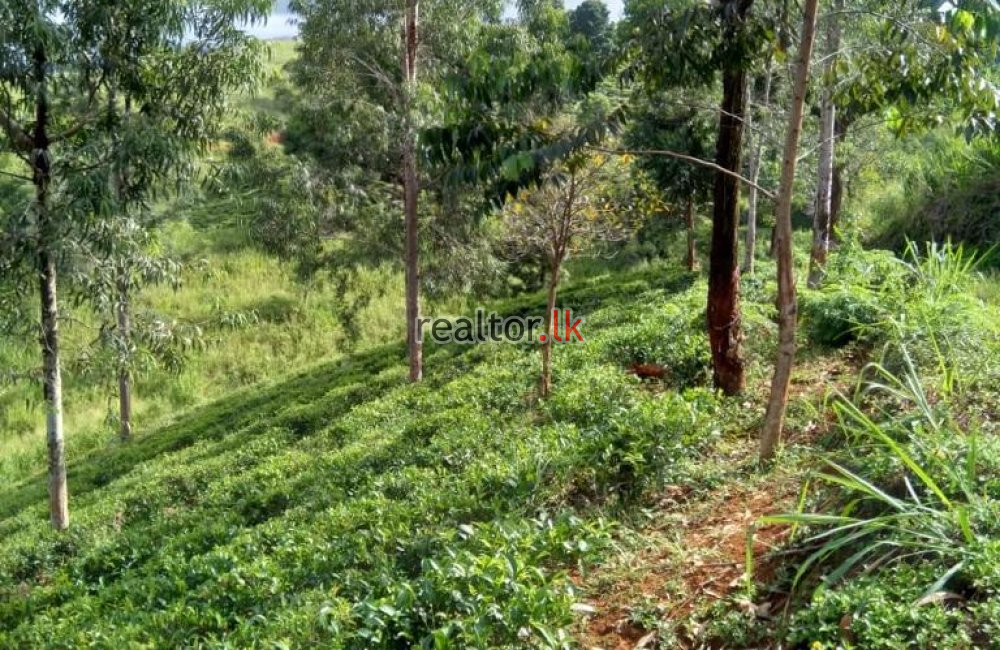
(702, 559)
(714, 542)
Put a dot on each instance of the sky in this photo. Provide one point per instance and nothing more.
(280, 25)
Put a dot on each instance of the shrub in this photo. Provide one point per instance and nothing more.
(839, 315)
(672, 336)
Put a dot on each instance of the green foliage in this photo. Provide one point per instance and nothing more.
(280, 202)
(882, 611)
(672, 337)
(926, 53)
(503, 127)
(949, 192)
(875, 297)
(684, 131)
(344, 507)
(590, 19)
(838, 315)
(910, 531)
(685, 44)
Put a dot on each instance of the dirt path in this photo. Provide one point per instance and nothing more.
(692, 554)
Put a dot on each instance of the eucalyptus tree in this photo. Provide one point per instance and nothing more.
(63, 64)
(758, 124)
(387, 58)
(827, 142)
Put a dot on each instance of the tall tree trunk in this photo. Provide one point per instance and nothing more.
(123, 306)
(787, 301)
(692, 253)
(124, 374)
(52, 379)
(837, 190)
(827, 144)
(411, 191)
(58, 491)
(750, 254)
(725, 330)
(551, 322)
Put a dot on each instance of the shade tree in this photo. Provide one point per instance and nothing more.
(64, 65)
(692, 45)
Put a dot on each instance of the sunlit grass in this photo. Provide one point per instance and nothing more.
(257, 322)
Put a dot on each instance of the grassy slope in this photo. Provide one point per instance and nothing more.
(254, 317)
(343, 507)
(248, 517)
(253, 314)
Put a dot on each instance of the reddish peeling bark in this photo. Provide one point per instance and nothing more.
(724, 318)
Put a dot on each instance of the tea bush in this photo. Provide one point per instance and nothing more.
(343, 507)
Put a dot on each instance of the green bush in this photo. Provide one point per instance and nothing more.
(839, 315)
(883, 611)
(672, 336)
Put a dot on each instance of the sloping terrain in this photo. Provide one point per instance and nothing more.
(344, 507)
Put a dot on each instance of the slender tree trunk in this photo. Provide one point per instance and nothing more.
(837, 190)
(411, 191)
(787, 302)
(750, 254)
(52, 380)
(827, 143)
(692, 253)
(724, 319)
(545, 385)
(123, 306)
(58, 491)
(124, 375)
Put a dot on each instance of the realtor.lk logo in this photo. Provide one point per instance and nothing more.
(492, 328)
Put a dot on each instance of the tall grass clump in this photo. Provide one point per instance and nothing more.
(915, 496)
(928, 298)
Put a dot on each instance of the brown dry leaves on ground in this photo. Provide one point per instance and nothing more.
(697, 557)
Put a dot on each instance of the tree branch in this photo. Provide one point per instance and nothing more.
(691, 159)
(18, 136)
(17, 176)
